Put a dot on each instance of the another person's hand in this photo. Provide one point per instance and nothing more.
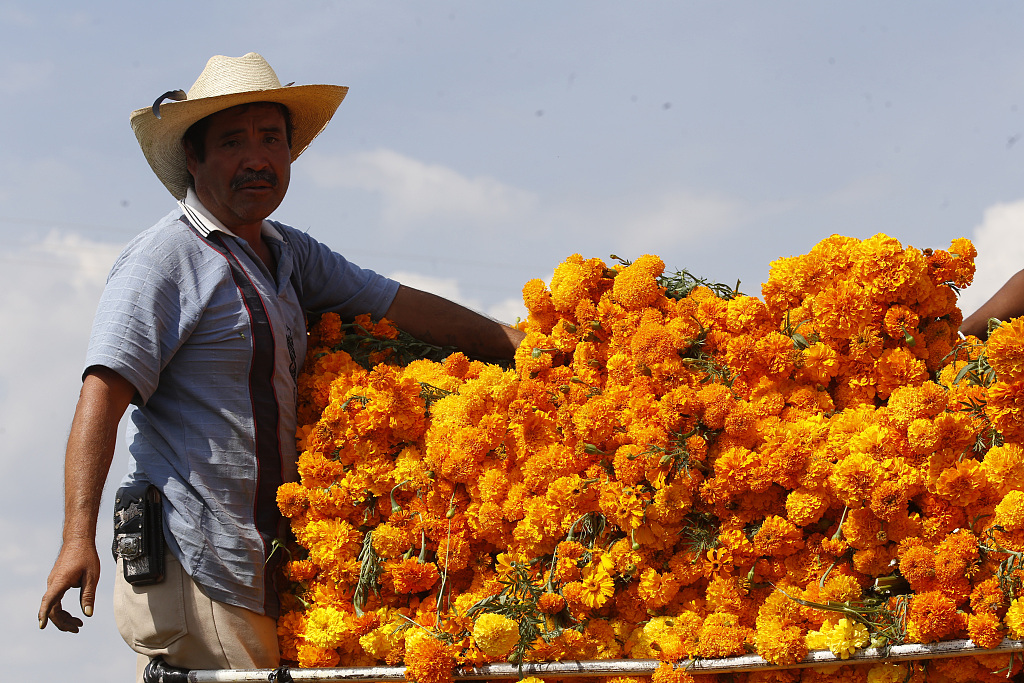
(77, 566)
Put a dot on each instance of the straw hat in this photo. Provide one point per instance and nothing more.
(225, 83)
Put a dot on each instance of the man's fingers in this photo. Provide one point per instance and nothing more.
(88, 595)
(50, 603)
(64, 621)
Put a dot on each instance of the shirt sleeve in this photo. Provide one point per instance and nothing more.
(328, 282)
(141, 320)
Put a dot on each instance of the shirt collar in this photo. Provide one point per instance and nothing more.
(205, 222)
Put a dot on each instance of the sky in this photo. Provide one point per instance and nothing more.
(481, 143)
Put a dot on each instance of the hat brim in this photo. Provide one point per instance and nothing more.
(311, 108)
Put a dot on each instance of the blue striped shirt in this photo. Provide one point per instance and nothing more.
(213, 343)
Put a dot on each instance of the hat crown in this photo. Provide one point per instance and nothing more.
(229, 75)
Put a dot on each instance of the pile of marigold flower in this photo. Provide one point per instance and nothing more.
(674, 471)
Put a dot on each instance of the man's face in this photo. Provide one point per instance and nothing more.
(244, 175)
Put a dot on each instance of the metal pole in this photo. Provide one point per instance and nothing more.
(592, 667)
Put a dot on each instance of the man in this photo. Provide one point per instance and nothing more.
(202, 327)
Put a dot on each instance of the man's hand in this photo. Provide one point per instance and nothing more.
(77, 566)
(105, 395)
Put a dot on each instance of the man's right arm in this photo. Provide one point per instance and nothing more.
(105, 396)
(1006, 304)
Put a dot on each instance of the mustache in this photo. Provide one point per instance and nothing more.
(250, 177)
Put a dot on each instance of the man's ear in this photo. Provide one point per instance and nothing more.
(190, 157)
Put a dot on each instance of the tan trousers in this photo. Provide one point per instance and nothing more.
(176, 620)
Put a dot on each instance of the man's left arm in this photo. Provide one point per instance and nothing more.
(437, 320)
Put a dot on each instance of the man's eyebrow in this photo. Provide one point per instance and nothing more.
(272, 128)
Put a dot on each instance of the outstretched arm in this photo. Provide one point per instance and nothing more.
(1005, 304)
(104, 398)
(437, 320)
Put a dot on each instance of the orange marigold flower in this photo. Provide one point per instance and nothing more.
(778, 537)
(657, 590)
(1005, 408)
(932, 617)
(898, 367)
(806, 506)
(1005, 350)
(670, 673)
(412, 576)
(427, 659)
(574, 280)
(985, 629)
(551, 603)
(963, 483)
(636, 285)
(900, 322)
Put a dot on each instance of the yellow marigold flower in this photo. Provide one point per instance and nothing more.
(379, 642)
(1004, 406)
(747, 314)
(840, 588)
(636, 285)
(1009, 513)
(325, 627)
(820, 362)
(1005, 350)
(721, 636)
(597, 587)
(846, 637)
(495, 634)
(887, 673)
(783, 645)
(312, 657)
(1015, 618)
(841, 309)
(818, 640)
(923, 436)
(719, 562)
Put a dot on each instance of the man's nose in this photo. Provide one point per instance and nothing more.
(255, 156)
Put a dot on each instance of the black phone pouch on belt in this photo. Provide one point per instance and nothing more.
(139, 533)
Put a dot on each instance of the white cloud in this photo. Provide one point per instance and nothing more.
(677, 216)
(413, 191)
(1000, 243)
